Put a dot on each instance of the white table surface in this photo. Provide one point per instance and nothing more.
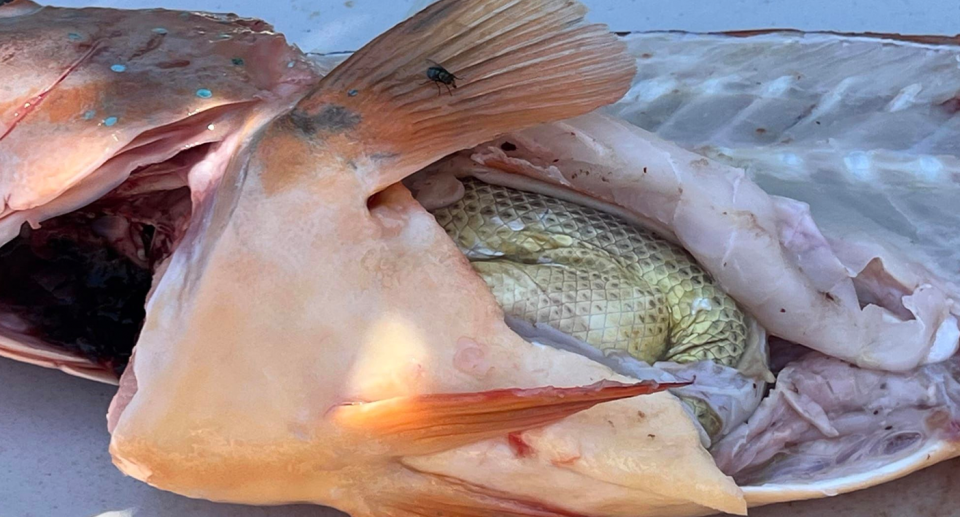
(53, 439)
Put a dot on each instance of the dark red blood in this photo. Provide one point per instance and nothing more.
(521, 448)
(951, 105)
(78, 290)
(32, 104)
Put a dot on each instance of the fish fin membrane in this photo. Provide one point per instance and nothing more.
(454, 498)
(518, 63)
(426, 424)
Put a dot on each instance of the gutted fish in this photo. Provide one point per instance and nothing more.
(356, 292)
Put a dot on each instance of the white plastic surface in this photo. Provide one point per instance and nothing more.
(53, 439)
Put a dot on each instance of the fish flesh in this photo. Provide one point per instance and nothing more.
(860, 127)
(333, 313)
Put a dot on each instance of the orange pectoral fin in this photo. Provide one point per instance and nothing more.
(518, 63)
(431, 423)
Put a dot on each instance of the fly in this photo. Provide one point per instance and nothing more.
(440, 75)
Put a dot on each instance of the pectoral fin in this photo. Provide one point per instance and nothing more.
(430, 423)
(516, 63)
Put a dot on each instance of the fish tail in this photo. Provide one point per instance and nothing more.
(461, 72)
(426, 424)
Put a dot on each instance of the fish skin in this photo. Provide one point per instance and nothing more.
(60, 86)
(594, 277)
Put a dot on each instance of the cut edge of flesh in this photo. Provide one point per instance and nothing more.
(943, 442)
(174, 159)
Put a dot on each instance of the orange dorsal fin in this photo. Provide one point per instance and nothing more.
(425, 424)
(516, 63)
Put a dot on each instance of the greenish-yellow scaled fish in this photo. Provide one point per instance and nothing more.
(593, 276)
(597, 278)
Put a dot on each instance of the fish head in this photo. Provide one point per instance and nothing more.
(122, 114)
(113, 81)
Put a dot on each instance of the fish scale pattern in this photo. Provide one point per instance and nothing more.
(594, 276)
